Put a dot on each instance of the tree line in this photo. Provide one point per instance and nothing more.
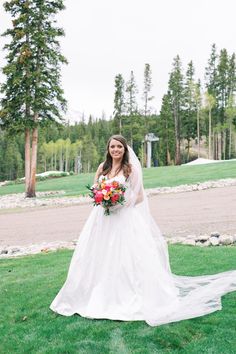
(34, 137)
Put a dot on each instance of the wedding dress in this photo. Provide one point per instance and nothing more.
(120, 268)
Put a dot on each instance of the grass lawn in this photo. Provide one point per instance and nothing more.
(153, 177)
(29, 284)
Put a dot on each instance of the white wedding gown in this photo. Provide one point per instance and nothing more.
(120, 271)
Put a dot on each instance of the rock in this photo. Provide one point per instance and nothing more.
(206, 244)
(199, 243)
(18, 200)
(4, 251)
(214, 241)
(226, 239)
(15, 250)
(202, 238)
(215, 234)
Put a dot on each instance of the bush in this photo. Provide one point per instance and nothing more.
(40, 178)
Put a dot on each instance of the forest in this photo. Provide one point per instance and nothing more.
(196, 118)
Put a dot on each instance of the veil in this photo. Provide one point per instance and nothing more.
(189, 296)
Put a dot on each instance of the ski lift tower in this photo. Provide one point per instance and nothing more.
(149, 138)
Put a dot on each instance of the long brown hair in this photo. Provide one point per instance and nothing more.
(125, 165)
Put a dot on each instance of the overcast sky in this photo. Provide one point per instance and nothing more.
(108, 37)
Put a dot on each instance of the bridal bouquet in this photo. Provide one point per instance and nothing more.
(107, 194)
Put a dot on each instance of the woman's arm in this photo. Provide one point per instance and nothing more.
(139, 197)
(98, 172)
(136, 195)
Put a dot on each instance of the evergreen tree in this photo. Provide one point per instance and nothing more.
(11, 164)
(119, 101)
(147, 98)
(131, 90)
(211, 72)
(210, 102)
(230, 113)
(32, 93)
(211, 78)
(166, 132)
(176, 93)
(190, 110)
(198, 103)
(131, 103)
(222, 99)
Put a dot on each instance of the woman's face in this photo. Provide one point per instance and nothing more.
(116, 149)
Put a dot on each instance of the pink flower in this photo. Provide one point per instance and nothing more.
(98, 197)
(108, 187)
(114, 198)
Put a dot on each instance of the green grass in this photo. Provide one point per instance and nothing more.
(29, 284)
(153, 177)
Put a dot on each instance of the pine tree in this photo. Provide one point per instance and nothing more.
(211, 78)
(131, 103)
(176, 93)
(210, 102)
(119, 101)
(32, 93)
(166, 131)
(222, 99)
(211, 72)
(189, 123)
(147, 97)
(198, 102)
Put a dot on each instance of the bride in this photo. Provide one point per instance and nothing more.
(120, 268)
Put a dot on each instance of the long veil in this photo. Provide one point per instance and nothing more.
(188, 296)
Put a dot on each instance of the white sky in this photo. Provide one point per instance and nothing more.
(108, 37)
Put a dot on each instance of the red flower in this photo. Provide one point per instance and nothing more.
(107, 187)
(114, 198)
(98, 197)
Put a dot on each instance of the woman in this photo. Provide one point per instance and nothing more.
(120, 268)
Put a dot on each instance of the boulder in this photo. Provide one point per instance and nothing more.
(226, 239)
(202, 238)
(214, 241)
(215, 234)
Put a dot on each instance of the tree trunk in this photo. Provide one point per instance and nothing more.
(198, 134)
(76, 165)
(30, 193)
(221, 145)
(230, 139)
(209, 136)
(177, 140)
(61, 160)
(27, 159)
(188, 149)
(120, 125)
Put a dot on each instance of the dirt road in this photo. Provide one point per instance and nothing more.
(178, 214)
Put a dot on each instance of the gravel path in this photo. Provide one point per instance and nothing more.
(177, 214)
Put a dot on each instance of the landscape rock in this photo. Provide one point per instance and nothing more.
(214, 241)
(215, 234)
(18, 200)
(203, 238)
(226, 239)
